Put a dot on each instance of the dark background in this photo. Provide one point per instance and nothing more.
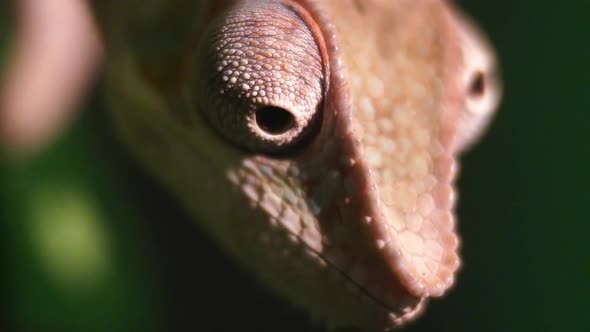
(142, 265)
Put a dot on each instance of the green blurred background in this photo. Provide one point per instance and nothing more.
(120, 255)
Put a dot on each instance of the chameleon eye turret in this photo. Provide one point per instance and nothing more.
(480, 82)
(260, 76)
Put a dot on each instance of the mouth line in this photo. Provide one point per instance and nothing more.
(393, 314)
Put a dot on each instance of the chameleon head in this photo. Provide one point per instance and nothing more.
(320, 147)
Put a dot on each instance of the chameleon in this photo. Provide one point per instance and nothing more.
(316, 141)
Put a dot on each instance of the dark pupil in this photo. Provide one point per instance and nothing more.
(477, 86)
(274, 120)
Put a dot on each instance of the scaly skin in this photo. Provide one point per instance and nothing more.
(356, 225)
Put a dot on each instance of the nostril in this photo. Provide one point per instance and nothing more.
(274, 120)
(477, 85)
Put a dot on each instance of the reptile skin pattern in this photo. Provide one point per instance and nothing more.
(317, 141)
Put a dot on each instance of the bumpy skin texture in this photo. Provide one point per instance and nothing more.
(260, 54)
(356, 225)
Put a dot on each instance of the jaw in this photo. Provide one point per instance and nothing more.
(396, 109)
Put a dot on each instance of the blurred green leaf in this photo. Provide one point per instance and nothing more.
(75, 261)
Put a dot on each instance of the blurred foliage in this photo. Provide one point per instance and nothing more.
(4, 30)
(137, 262)
(74, 261)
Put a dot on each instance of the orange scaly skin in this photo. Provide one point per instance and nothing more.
(356, 223)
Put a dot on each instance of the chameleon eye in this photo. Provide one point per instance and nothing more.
(260, 76)
(482, 90)
(481, 85)
(477, 85)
